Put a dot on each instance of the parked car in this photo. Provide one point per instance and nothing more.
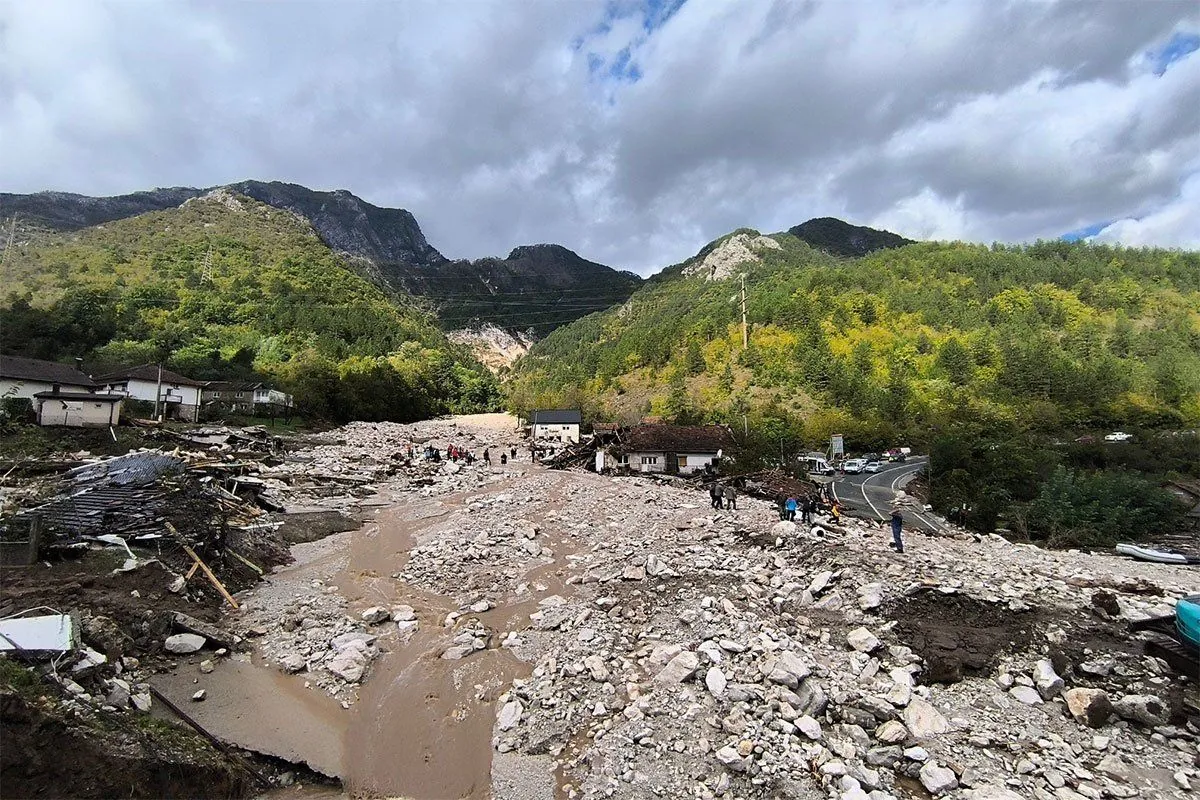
(817, 466)
(873, 466)
(896, 454)
(854, 466)
(1118, 436)
(869, 457)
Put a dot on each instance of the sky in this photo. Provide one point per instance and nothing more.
(630, 132)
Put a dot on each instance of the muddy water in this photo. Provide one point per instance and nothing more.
(423, 725)
(261, 709)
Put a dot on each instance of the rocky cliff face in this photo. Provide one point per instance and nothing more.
(492, 346)
(537, 287)
(843, 239)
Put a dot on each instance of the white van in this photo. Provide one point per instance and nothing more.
(816, 465)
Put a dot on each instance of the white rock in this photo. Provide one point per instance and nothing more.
(184, 643)
(1049, 685)
(788, 670)
(678, 669)
(292, 662)
(595, 665)
(991, 793)
(820, 582)
(375, 615)
(923, 720)
(870, 596)
(403, 614)
(715, 680)
(634, 573)
(510, 715)
(199, 696)
(891, 732)
(406, 627)
(347, 665)
(937, 779)
(809, 727)
(862, 640)
(481, 606)
(353, 639)
(458, 651)
(1026, 694)
(784, 530)
(732, 759)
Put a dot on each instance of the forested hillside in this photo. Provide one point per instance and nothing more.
(225, 286)
(911, 345)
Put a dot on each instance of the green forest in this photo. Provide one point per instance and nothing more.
(231, 288)
(990, 358)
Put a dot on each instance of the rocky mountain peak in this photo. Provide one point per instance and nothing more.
(843, 239)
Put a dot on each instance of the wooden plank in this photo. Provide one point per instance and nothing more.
(208, 573)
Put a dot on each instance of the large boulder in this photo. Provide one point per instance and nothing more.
(1145, 709)
(678, 669)
(1090, 707)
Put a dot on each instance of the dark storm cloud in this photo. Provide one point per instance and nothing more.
(631, 132)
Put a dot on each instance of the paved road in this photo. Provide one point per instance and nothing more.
(869, 494)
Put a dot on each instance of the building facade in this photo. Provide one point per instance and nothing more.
(26, 377)
(560, 425)
(179, 397)
(78, 409)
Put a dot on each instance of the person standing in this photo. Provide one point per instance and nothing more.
(730, 495)
(513, 454)
(790, 507)
(899, 503)
(714, 495)
(504, 458)
(806, 510)
(487, 456)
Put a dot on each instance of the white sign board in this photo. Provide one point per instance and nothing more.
(837, 446)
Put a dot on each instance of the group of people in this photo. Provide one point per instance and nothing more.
(505, 456)
(806, 505)
(723, 496)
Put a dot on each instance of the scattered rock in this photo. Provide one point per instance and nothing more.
(715, 680)
(1049, 685)
(1026, 694)
(375, 615)
(678, 669)
(293, 662)
(937, 779)
(510, 715)
(862, 640)
(199, 696)
(184, 643)
(923, 720)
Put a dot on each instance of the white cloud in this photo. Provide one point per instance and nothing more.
(1177, 223)
(494, 126)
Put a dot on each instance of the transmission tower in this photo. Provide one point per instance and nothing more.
(206, 270)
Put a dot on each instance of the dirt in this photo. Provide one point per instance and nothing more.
(958, 635)
(49, 754)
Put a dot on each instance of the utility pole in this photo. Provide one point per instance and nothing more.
(158, 393)
(745, 327)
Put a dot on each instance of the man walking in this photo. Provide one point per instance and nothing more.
(898, 505)
(790, 508)
(714, 495)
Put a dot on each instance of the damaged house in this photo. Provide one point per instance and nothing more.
(672, 449)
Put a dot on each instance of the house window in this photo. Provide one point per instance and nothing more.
(682, 462)
(240, 395)
(649, 459)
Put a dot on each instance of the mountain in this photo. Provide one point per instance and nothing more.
(536, 288)
(1003, 363)
(225, 286)
(843, 239)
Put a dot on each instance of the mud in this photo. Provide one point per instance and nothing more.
(47, 754)
(958, 635)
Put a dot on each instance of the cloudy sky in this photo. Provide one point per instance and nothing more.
(632, 132)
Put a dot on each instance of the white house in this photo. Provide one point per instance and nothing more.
(26, 377)
(674, 449)
(180, 396)
(78, 409)
(557, 426)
